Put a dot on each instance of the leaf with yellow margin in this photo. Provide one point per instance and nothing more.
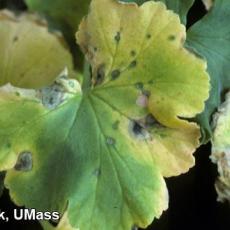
(100, 155)
(30, 56)
(180, 7)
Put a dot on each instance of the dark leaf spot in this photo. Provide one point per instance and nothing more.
(15, 39)
(24, 162)
(139, 85)
(100, 74)
(171, 37)
(115, 74)
(133, 53)
(137, 128)
(51, 101)
(117, 37)
(139, 131)
(115, 125)
(148, 36)
(133, 64)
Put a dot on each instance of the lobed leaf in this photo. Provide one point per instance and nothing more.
(30, 56)
(64, 16)
(100, 155)
(180, 7)
(210, 37)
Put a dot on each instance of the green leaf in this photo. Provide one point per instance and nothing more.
(220, 148)
(181, 7)
(30, 56)
(211, 38)
(100, 156)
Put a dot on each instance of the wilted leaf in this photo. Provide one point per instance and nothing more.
(100, 155)
(30, 56)
(211, 38)
(221, 150)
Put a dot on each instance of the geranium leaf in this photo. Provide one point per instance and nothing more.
(100, 155)
(214, 45)
(65, 16)
(180, 7)
(30, 56)
(220, 148)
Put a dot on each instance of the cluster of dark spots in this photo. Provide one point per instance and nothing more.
(15, 39)
(139, 85)
(115, 74)
(115, 125)
(100, 74)
(133, 53)
(97, 172)
(148, 36)
(24, 162)
(110, 141)
(117, 37)
(171, 37)
(95, 49)
(133, 64)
